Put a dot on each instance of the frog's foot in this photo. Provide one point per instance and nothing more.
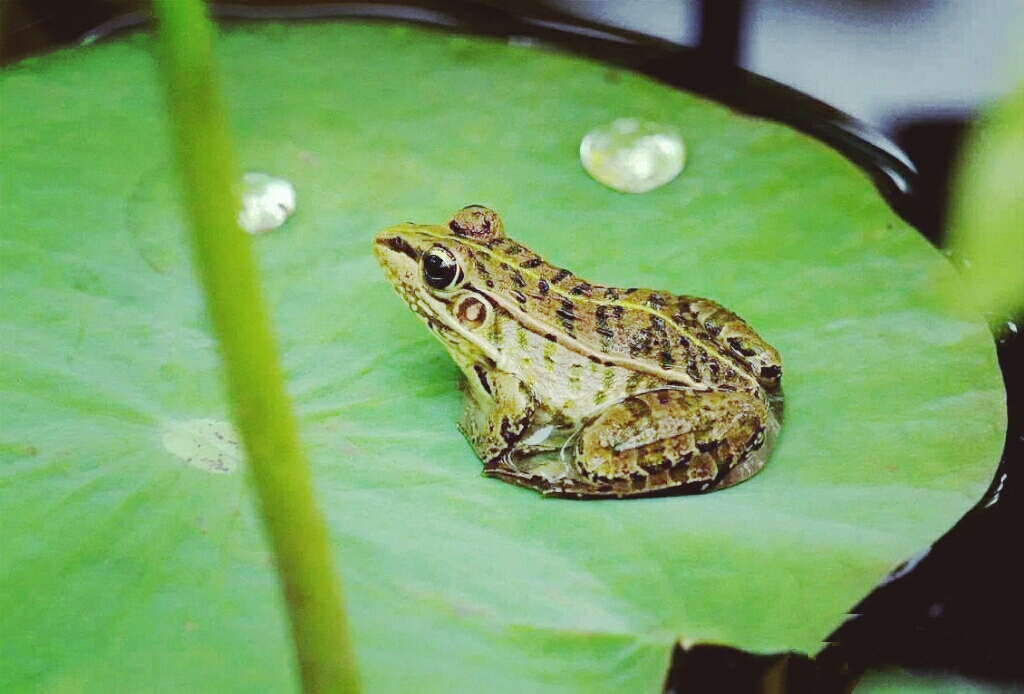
(537, 461)
(676, 441)
(550, 474)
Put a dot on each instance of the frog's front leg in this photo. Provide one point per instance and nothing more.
(498, 410)
(675, 439)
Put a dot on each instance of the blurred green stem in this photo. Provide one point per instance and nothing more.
(986, 213)
(223, 256)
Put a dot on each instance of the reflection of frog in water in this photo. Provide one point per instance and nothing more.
(577, 389)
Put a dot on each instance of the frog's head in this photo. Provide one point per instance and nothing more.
(440, 273)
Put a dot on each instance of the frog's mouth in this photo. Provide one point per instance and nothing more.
(399, 259)
(400, 262)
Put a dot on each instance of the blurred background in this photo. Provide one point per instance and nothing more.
(915, 70)
(886, 62)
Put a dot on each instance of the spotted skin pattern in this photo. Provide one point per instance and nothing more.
(578, 389)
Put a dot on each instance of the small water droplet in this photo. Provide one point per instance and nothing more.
(632, 155)
(267, 202)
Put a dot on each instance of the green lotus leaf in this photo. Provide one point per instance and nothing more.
(132, 558)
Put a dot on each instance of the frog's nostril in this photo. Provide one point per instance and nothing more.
(399, 245)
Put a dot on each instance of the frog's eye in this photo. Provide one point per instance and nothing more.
(441, 270)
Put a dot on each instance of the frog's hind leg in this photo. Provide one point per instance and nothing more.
(677, 440)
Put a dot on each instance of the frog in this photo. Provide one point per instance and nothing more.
(580, 390)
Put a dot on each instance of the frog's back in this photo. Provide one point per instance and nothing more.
(686, 339)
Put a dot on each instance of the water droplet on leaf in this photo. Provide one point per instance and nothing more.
(632, 155)
(267, 202)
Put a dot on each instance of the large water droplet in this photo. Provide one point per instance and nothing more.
(632, 155)
(267, 202)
